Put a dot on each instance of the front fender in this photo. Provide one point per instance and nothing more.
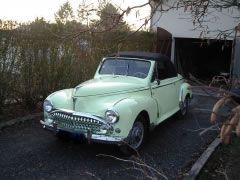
(184, 91)
(130, 108)
(61, 99)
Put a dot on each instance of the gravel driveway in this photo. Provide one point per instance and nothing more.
(27, 150)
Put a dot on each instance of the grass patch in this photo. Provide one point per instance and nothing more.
(224, 163)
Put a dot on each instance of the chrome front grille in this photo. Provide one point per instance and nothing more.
(78, 122)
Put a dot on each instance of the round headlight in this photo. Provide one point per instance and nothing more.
(47, 106)
(111, 116)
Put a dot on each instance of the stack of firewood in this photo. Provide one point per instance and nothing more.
(231, 123)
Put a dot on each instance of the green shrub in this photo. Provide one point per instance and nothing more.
(40, 58)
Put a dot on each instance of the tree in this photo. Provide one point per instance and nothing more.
(111, 19)
(64, 14)
(8, 24)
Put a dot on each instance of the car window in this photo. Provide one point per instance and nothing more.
(163, 70)
(126, 67)
(170, 69)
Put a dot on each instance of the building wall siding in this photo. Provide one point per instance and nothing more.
(180, 22)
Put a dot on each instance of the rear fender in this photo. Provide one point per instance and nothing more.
(184, 92)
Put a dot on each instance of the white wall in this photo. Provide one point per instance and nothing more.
(180, 23)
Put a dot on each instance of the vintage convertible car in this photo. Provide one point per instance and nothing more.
(131, 93)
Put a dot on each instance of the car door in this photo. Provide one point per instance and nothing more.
(164, 90)
(173, 77)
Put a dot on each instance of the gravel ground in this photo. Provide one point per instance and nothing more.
(29, 151)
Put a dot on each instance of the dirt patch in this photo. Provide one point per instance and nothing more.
(223, 163)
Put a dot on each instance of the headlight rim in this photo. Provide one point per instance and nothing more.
(113, 112)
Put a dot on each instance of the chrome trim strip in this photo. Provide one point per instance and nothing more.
(158, 86)
(118, 92)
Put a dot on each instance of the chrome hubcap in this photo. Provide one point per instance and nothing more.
(136, 135)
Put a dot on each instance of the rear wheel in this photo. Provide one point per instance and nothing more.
(184, 108)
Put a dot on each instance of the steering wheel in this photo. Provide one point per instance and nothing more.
(140, 74)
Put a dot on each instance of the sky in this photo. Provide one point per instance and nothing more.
(28, 10)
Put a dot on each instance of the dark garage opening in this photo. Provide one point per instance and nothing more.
(202, 58)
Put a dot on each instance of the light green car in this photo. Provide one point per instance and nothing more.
(131, 93)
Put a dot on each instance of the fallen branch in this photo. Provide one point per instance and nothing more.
(134, 162)
(208, 129)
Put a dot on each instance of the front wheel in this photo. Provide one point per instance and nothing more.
(136, 137)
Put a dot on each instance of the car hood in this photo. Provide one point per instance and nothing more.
(108, 86)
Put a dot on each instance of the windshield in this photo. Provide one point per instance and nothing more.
(126, 67)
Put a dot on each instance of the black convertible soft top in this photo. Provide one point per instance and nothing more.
(169, 68)
(140, 55)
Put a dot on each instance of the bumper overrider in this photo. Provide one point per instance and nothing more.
(93, 128)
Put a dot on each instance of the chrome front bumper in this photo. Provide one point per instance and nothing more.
(92, 127)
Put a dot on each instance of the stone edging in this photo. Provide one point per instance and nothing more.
(17, 120)
(198, 165)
